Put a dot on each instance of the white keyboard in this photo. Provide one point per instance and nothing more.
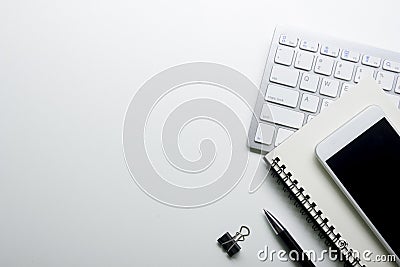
(305, 72)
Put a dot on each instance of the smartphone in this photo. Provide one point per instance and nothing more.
(363, 158)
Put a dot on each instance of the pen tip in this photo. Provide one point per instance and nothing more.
(275, 224)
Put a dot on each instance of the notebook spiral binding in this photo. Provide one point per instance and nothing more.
(314, 215)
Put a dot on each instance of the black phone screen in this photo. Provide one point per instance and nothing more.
(368, 167)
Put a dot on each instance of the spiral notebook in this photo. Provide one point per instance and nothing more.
(315, 192)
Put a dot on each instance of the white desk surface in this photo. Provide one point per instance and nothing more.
(68, 70)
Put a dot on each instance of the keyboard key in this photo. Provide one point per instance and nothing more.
(309, 103)
(397, 88)
(324, 65)
(309, 45)
(395, 99)
(371, 61)
(283, 96)
(282, 116)
(391, 66)
(288, 40)
(385, 80)
(284, 55)
(363, 72)
(304, 60)
(345, 88)
(284, 75)
(265, 133)
(350, 55)
(329, 87)
(344, 71)
(310, 117)
(325, 103)
(330, 51)
(282, 135)
(309, 82)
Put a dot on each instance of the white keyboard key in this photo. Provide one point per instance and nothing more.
(397, 88)
(350, 55)
(309, 45)
(362, 73)
(304, 60)
(391, 66)
(309, 103)
(282, 135)
(284, 55)
(345, 88)
(395, 99)
(310, 117)
(264, 134)
(284, 75)
(330, 51)
(324, 65)
(309, 82)
(325, 103)
(371, 61)
(288, 40)
(344, 70)
(329, 87)
(283, 96)
(385, 80)
(282, 116)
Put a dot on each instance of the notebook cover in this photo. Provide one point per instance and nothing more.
(298, 154)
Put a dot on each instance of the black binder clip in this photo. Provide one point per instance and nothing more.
(230, 244)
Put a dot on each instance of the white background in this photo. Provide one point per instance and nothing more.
(67, 73)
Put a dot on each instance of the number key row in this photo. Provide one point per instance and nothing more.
(333, 51)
